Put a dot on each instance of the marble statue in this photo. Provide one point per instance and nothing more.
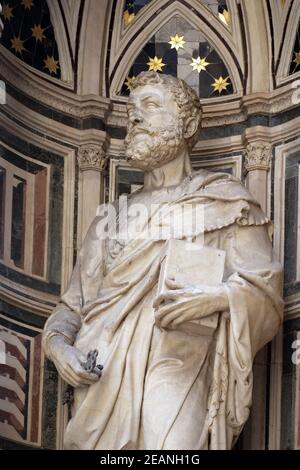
(176, 320)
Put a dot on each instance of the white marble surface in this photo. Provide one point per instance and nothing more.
(165, 386)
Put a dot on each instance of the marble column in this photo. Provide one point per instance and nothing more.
(92, 161)
(258, 157)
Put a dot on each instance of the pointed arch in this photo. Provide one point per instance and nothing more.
(123, 36)
(283, 71)
(141, 33)
(62, 42)
(279, 13)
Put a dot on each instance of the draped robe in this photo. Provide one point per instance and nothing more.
(162, 388)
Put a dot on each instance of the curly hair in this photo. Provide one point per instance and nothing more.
(186, 98)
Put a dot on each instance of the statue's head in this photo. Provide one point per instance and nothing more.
(164, 118)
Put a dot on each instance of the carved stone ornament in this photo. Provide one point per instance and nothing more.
(91, 157)
(258, 156)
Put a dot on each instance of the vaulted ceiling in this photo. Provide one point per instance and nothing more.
(221, 48)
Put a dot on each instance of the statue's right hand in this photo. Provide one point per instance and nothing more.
(69, 362)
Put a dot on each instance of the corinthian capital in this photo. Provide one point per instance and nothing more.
(258, 156)
(91, 157)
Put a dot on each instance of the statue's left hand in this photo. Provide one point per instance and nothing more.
(182, 304)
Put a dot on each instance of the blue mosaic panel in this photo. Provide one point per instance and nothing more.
(218, 7)
(131, 9)
(28, 33)
(180, 50)
(295, 59)
(134, 6)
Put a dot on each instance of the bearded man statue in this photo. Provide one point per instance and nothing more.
(177, 353)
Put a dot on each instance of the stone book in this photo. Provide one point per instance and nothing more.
(190, 265)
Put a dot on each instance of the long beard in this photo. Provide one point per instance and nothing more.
(159, 147)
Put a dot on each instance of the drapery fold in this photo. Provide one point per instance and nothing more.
(109, 308)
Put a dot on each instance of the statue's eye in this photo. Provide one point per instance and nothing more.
(152, 105)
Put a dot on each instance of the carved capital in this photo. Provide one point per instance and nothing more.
(91, 157)
(258, 156)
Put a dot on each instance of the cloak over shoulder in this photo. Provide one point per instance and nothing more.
(166, 389)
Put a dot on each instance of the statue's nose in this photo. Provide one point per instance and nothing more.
(135, 118)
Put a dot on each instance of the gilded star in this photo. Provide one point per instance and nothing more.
(128, 17)
(7, 11)
(27, 4)
(297, 58)
(177, 42)
(51, 64)
(129, 82)
(17, 45)
(283, 3)
(220, 84)
(225, 17)
(156, 64)
(199, 64)
(38, 32)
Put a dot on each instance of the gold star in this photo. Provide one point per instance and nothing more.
(129, 82)
(225, 17)
(38, 32)
(283, 3)
(199, 64)
(27, 4)
(128, 17)
(177, 42)
(297, 58)
(7, 11)
(220, 84)
(51, 64)
(17, 45)
(156, 64)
